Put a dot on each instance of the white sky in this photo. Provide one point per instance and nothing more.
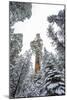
(37, 24)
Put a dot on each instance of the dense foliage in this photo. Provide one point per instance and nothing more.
(54, 76)
(50, 80)
(18, 11)
(58, 36)
(57, 72)
(15, 48)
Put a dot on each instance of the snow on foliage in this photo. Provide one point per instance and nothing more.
(18, 11)
(49, 81)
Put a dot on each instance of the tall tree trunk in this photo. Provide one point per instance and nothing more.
(37, 63)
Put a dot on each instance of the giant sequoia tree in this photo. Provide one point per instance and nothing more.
(36, 46)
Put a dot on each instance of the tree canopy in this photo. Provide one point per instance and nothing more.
(58, 37)
(18, 11)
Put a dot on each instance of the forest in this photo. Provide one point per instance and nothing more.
(49, 76)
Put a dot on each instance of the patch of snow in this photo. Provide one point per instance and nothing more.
(52, 85)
